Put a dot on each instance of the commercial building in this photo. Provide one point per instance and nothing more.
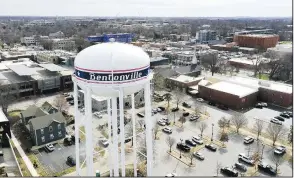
(63, 44)
(246, 63)
(262, 41)
(182, 82)
(56, 57)
(33, 40)
(187, 58)
(228, 94)
(204, 36)
(157, 61)
(5, 130)
(119, 37)
(56, 35)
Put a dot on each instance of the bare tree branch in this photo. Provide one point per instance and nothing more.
(239, 121)
(276, 132)
(170, 142)
(202, 126)
(60, 103)
(258, 127)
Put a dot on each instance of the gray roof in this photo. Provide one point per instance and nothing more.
(52, 67)
(22, 70)
(45, 121)
(33, 111)
(188, 69)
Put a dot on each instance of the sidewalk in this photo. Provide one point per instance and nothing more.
(26, 160)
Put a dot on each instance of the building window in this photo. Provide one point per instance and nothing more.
(59, 134)
(51, 136)
(50, 129)
(59, 126)
(42, 131)
(43, 138)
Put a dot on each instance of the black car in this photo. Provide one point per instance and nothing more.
(161, 108)
(285, 115)
(183, 147)
(211, 103)
(241, 167)
(72, 102)
(280, 118)
(229, 172)
(71, 98)
(186, 105)
(128, 140)
(289, 113)
(258, 105)
(70, 161)
(210, 147)
(174, 109)
(267, 169)
(140, 115)
(67, 141)
(185, 114)
(190, 143)
(223, 107)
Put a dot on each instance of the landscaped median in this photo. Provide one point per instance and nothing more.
(24, 169)
(184, 159)
(40, 169)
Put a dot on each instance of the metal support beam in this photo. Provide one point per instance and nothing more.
(134, 135)
(122, 133)
(115, 137)
(77, 130)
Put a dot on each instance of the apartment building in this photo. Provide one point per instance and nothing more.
(63, 44)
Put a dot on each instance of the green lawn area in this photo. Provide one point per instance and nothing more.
(14, 113)
(285, 42)
(263, 76)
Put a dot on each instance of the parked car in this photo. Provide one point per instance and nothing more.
(73, 139)
(194, 118)
(186, 105)
(190, 143)
(128, 140)
(198, 155)
(161, 122)
(160, 109)
(185, 114)
(280, 150)
(70, 98)
(211, 147)
(67, 141)
(49, 147)
(241, 167)
(285, 115)
(72, 102)
(154, 111)
(104, 142)
(70, 161)
(211, 103)
(263, 104)
(171, 175)
(267, 168)
(290, 113)
(167, 130)
(258, 105)
(66, 94)
(140, 114)
(175, 109)
(223, 107)
(197, 139)
(248, 140)
(280, 118)
(199, 99)
(183, 147)
(245, 159)
(229, 172)
(276, 121)
(98, 115)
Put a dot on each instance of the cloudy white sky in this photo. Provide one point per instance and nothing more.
(163, 8)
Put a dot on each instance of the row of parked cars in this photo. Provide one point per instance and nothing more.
(282, 117)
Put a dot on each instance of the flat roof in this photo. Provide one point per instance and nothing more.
(22, 70)
(256, 83)
(52, 67)
(231, 88)
(10, 77)
(186, 79)
(3, 118)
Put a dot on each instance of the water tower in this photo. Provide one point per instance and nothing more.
(112, 70)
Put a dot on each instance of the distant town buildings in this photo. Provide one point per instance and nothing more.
(120, 37)
(63, 44)
(56, 35)
(260, 41)
(204, 36)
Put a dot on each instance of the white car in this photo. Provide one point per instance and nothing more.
(167, 130)
(197, 139)
(104, 142)
(245, 158)
(198, 155)
(199, 99)
(49, 147)
(248, 140)
(276, 121)
(161, 122)
(82, 109)
(171, 175)
(98, 115)
(154, 111)
(280, 150)
(263, 104)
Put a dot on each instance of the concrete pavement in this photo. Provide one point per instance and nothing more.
(26, 160)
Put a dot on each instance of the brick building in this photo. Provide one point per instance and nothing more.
(262, 41)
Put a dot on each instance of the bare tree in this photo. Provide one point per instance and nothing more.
(258, 127)
(218, 167)
(168, 98)
(191, 157)
(158, 81)
(155, 130)
(248, 149)
(210, 62)
(256, 61)
(239, 121)
(178, 96)
(198, 109)
(277, 160)
(170, 142)
(60, 103)
(231, 70)
(202, 126)
(222, 123)
(182, 120)
(8, 94)
(129, 131)
(290, 134)
(275, 132)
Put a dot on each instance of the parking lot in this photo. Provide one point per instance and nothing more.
(55, 161)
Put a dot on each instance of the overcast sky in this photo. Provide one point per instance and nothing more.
(159, 8)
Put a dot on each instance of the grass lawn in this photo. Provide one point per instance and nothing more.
(15, 113)
(24, 169)
(263, 76)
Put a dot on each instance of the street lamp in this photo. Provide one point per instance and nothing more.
(262, 151)
(180, 149)
(212, 132)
